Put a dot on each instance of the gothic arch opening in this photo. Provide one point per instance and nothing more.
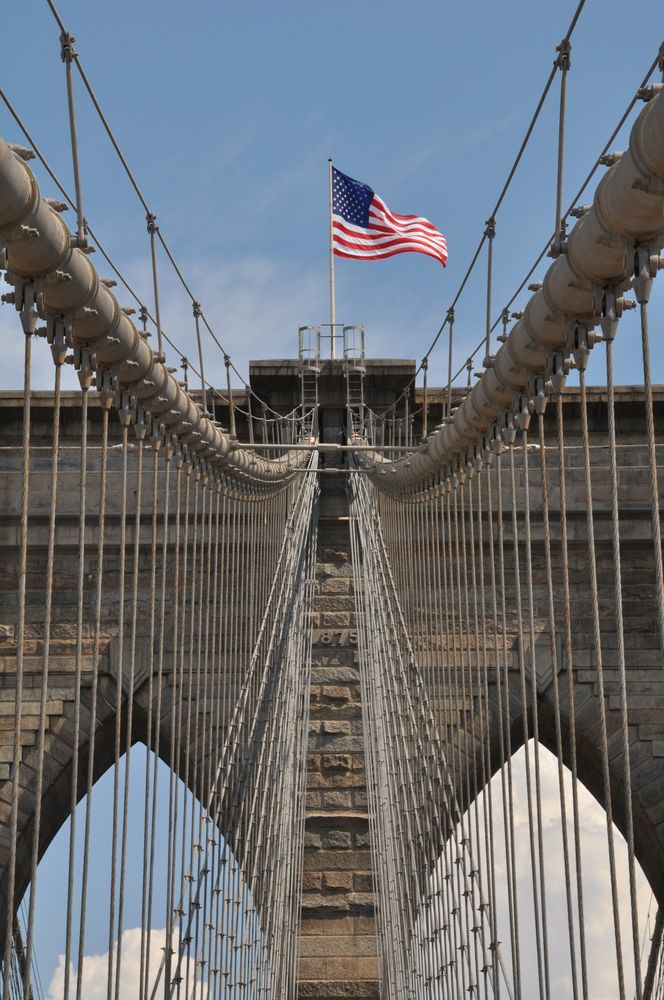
(504, 885)
(178, 864)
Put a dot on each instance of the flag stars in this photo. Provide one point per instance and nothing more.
(350, 199)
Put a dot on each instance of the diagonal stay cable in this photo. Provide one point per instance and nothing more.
(139, 194)
(501, 197)
(591, 173)
(114, 267)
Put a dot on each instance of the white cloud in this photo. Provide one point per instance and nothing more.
(599, 926)
(254, 304)
(95, 969)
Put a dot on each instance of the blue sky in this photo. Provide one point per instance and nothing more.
(227, 115)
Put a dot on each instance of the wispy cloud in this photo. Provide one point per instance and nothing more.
(598, 923)
(95, 969)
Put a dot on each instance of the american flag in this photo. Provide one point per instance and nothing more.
(364, 227)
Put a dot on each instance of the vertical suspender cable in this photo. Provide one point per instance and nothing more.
(118, 703)
(153, 229)
(526, 733)
(642, 287)
(101, 529)
(569, 659)
(67, 54)
(581, 357)
(82, 499)
(20, 651)
(425, 408)
(490, 233)
(546, 520)
(534, 708)
(231, 404)
(654, 959)
(197, 314)
(147, 790)
(45, 663)
(620, 639)
(139, 428)
(450, 323)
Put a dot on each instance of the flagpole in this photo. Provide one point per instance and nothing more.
(332, 309)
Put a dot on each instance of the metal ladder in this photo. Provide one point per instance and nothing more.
(309, 355)
(355, 370)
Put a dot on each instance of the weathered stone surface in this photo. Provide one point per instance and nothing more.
(338, 876)
(337, 883)
(336, 761)
(349, 946)
(335, 585)
(356, 990)
(337, 839)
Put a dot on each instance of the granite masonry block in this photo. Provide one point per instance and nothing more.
(337, 881)
(338, 839)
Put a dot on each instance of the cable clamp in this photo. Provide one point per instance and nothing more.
(646, 266)
(141, 423)
(25, 301)
(580, 346)
(539, 389)
(67, 50)
(563, 59)
(509, 429)
(26, 154)
(610, 159)
(126, 406)
(523, 408)
(647, 93)
(560, 366)
(497, 443)
(57, 337)
(610, 313)
(177, 451)
(157, 434)
(558, 247)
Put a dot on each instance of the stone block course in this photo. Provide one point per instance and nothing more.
(334, 585)
(336, 761)
(337, 879)
(337, 839)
